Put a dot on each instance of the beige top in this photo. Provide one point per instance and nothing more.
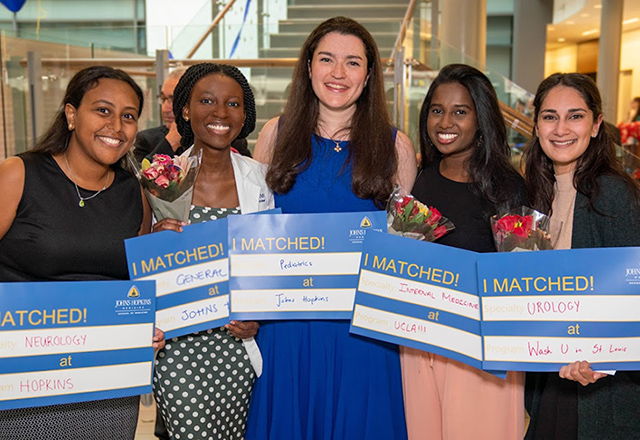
(564, 200)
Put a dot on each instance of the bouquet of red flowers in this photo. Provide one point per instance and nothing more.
(521, 229)
(629, 130)
(168, 183)
(408, 217)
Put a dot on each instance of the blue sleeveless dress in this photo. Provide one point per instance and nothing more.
(319, 382)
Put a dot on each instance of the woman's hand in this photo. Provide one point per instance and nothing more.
(242, 329)
(168, 224)
(580, 372)
(158, 339)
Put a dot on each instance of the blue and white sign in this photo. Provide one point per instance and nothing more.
(543, 310)
(297, 266)
(191, 270)
(421, 295)
(64, 342)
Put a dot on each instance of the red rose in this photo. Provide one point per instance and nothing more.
(435, 215)
(522, 227)
(440, 231)
(506, 223)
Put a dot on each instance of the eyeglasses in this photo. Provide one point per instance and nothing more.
(161, 99)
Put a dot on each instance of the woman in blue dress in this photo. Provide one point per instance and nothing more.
(333, 150)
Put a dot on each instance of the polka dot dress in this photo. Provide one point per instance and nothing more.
(203, 384)
(201, 214)
(203, 381)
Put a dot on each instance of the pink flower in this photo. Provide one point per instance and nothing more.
(162, 181)
(162, 159)
(150, 173)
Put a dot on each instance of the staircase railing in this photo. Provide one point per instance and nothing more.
(210, 29)
(414, 41)
(403, 29)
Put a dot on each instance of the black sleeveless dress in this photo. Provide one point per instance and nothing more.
(53, 239)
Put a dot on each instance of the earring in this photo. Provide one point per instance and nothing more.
(480, 141)
(70, 127)
(186, 118)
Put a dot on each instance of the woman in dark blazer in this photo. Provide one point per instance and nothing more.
(572, 174)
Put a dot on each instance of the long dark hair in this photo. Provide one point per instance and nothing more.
(489, 167)
(637, 114)
(599, 158)
(372, 150)
(182, 94)
(56, 138)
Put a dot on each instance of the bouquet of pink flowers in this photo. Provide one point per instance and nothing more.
(168, 183)
(521, 229)
(407, 217)
(629, 130)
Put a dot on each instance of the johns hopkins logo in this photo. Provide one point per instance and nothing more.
(133, 292)
(133, 304)
(632, 274)
(357, 235)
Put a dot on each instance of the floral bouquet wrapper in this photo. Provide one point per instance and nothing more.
(407, 217)
(521, 229)
(168, 182)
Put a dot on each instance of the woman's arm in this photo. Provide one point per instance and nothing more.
(621, 224)
(263, 152)
(11, 187)
(407, 165)
(145, 227)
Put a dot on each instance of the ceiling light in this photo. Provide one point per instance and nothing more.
(561, 40)
(631, 20)
(597, 6)
(585, 15)
(590, 32)
(570, 22)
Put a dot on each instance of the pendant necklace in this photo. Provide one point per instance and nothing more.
(73, 179)
(338, 147)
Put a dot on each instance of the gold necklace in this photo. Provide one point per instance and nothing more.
(73, 179)
(338, 147)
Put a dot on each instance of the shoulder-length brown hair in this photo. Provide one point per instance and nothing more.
(599, 159)
(372, 150)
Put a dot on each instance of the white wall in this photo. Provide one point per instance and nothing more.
(630, 59)
(563, 9)
(166, 21)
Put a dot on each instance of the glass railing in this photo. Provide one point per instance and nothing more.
(27, 105)
(425, 55)
(268, 44)
(55, 64)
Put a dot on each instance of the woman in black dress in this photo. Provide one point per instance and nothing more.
(67, 207)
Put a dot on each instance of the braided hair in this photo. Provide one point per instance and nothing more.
(182, 94)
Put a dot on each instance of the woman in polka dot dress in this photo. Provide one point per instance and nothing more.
(203, 381)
